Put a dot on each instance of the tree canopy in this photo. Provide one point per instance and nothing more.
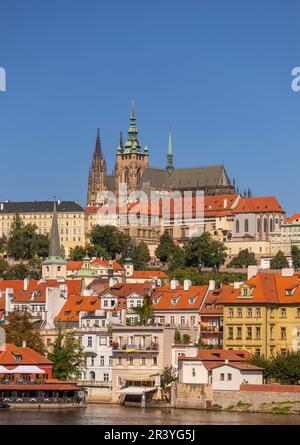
(279, 261)
(295, 251)
(165, 248)
(67, 356)
(19, 328)
(204, 251)
(108, 239)
(243, 259)
(140, 256)
(281, 368)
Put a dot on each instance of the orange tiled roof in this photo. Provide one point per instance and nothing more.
(265, 204)
(74, 265)
(37, 289)
(220, 355)
(126, 289)
(293, 218)
(74, 305)
(104, 263)
(185, 300)
(266, 288)
(27, 356)
(212, 305)
(149, 274)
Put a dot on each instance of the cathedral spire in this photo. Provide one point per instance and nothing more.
(98, 143)
(54, 248)
(170, 166)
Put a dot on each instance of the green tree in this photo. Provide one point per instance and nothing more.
(168, 375)
(140, 256)
(165, 248)
(17, 271)
(204, 251)
(18, 328)
(34, 268)
(186, 339)
(202, 278)
(67, 356)
(40, 246)
(281, 368)
(295, 251)
(177, 337)
(3, 242)
(145, 312)
(243, 259)
(4, 266)
(279, 261)
(176, 259)
(109, 238)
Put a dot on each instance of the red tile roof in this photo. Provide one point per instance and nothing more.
(74, 265)
(220, 355)
(266, 288)
(127, 289)
(265, 204)
(149, 274)
(105, 264)
(185, 300)
(293, 218)
(74, 305)
(27, 356)
(36, 290)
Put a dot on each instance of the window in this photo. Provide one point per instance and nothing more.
(102, 341)
(92, 361)
(130, 360)
(249, 312)
(120, 360)
(298, 312)
(257, 333)
(102, 360)
(239, 312)
(172, 319)
(230, 333)
(143, 360)
(258, 225)
(222, 377)
(246, 226)
(258, 312)
(230, 312)
(257, 351)
(239, 332)
(283, 333)
(106, 377)
(265, 225)
(272, 332)
(283, 312)
(154, 361)
(182, 319)
(90, 342)
(237, 226)
(271, 225)
(249, 332)
(229, 377)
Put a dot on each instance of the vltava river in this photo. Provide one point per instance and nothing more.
(120, 415)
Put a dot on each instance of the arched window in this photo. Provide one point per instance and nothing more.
(265, 225)
(92, 375)
(258, 225)
(237, 226)
(246, 226)
(271, 225)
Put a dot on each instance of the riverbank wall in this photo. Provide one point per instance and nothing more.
(250, 398)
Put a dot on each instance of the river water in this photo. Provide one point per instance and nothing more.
(98, 414)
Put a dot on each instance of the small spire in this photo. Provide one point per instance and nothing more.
(54, 247)
(98, 143)
(170, 166)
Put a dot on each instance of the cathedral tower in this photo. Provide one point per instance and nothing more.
(131, 160)
(97, 174)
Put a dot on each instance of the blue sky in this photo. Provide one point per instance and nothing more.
(218, 72)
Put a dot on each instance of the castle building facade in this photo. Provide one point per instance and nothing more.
(132, 168)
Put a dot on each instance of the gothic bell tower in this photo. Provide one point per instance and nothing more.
(97, 174)
(131, 160)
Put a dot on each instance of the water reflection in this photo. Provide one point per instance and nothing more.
(119, 415)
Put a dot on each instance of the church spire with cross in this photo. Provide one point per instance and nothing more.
(97, 181)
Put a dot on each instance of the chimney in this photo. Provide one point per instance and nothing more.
(211, 285)
(2, 206)
(225, 203)
(287, 272)
(226, 361)
(26, 283)
(187, 284)
(251, 272)
(123, 317)
(112, 281)
(173, 284)
(237, 284)
(24, 344)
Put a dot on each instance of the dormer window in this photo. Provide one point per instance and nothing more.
(290, 291)
(191, 300)
(18, 357)
(155, 300)
(174, 300)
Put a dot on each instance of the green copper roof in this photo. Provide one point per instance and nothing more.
(132, 144)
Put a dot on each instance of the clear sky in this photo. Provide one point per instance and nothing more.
(218, 72)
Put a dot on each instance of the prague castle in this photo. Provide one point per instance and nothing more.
(132, 168)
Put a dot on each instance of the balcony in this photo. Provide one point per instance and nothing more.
(211, 329)
(135, 347)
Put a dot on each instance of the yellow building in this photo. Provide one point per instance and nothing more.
(72, 219)
(263, 314)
